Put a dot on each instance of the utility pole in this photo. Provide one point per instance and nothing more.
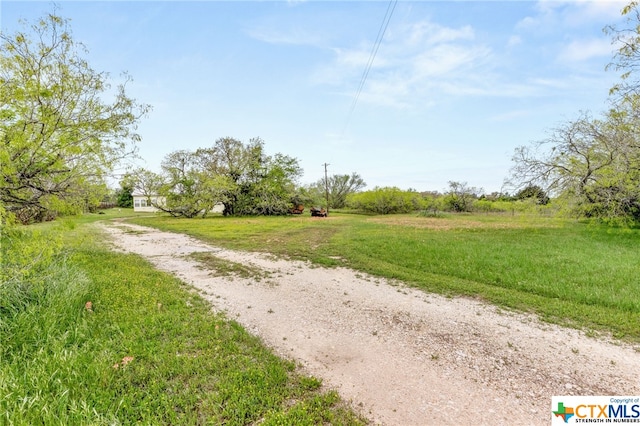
(326, 186)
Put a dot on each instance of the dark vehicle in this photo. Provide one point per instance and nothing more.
(318, 212)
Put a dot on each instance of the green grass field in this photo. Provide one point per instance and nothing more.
(578, 274)
(145, 350)
(149, 350)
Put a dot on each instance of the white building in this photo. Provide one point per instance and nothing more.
(144, 203)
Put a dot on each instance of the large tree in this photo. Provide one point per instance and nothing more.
(460, 197)
(58, 132)
(124, 195)
(188, 189)
(252, 182)
(338, 187)
(241, 177)
(595, 163)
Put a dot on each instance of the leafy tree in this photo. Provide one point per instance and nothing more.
(305, 196)
(183, 189)
(241, 177)
(145, 182)
(251, 182)
(272, 195)
(124, 196)
(460, 197)
(187, 188)
(339, 187)
(534, 192)
(432, 203)
(59, 136)
(593, 162)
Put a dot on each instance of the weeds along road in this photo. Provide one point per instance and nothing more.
(401, 356)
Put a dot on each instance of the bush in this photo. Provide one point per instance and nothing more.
(386, 200)
(487, 206)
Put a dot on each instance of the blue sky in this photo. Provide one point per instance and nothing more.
(454, 87)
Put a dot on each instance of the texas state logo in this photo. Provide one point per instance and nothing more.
(595, 409)
(565, 413)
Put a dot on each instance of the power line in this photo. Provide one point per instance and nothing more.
(376, 45)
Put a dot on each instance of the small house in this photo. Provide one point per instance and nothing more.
(145, 203)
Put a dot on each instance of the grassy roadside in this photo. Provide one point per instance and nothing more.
(144, 350)
(577, 274)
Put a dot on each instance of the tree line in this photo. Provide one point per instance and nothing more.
(239, 176)
(64, 127)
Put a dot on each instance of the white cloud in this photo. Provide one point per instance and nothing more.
(411, 67)
(598, 9)
(420, 64)
(582, 50)
(528, 23)
(292, 36)
(447, 59)
(423, 64)
(514, 41)
(429, 33)
(571, 13)
(356, 58)
(578, 11)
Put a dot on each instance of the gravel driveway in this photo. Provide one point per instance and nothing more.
(401, 356)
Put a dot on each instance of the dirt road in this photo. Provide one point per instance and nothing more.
(401, 356)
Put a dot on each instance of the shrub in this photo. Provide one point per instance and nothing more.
(387, 200)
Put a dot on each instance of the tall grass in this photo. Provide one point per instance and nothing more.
(579, 274)
(145, 350)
